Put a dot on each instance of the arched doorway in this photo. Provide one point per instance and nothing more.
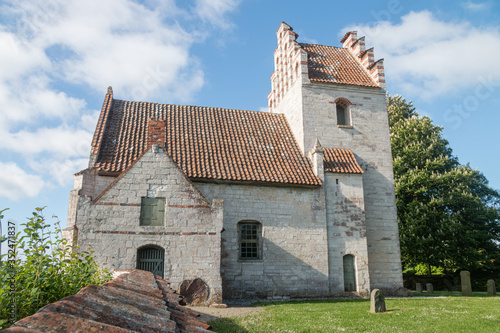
(151, 259)
(349, 273)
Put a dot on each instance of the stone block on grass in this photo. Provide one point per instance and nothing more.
(491, 287)
(466, 285)
(377, 301)
(430, 288)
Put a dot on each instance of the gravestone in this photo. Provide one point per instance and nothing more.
(466, 286)
(418, 288)
(491, 287)
(430, 288)
(377, 301)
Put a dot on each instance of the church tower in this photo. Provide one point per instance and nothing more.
(336, 95)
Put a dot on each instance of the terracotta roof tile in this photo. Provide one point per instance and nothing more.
(137, 301)
(340, 161)
(206, 142)
(335, 64)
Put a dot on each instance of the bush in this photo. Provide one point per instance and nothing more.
(45, 269)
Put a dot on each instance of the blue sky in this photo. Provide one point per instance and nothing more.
(57, 58)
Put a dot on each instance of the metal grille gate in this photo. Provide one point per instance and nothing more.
(151, 259)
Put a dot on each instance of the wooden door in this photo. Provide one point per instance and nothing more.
(349, 273)
(151, 259)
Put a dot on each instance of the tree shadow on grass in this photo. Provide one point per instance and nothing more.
(313, 301)
(227, 325)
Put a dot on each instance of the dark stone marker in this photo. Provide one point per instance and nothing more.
(377, 301)
(195, 291)
(466, 286)
(430, 288)
(418, 288)
(492, 290)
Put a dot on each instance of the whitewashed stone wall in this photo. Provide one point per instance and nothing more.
(295, 249)
(191, 234)
(86, 183)
(345, 216)
(291, 106)
(370, 141)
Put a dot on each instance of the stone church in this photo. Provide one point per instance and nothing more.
(297, 201)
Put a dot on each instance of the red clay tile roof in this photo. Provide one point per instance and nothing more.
(335, 64)
(137, 301)
(101, 124)
(340, 161)
(205, 142)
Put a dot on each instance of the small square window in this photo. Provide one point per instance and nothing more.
(249, 240)
(152, 211)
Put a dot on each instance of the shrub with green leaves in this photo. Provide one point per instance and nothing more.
(45, 269)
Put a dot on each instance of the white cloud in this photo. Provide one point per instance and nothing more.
(50, 49)
(430, 57)
(214, 11)
(476, 6)
(60, 169)
(60, 141)
(15, 183)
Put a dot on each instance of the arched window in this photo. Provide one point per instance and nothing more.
(151, 258)
(250, 240)
(341, 115)
(349, 273)
(343, 107)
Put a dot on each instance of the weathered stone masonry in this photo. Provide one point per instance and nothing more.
(292, 202)
(190, 237)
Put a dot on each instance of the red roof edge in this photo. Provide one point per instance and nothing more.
(119, 176)
(341, 160)
(101, 124)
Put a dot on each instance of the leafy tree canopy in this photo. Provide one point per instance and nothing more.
(448, 215)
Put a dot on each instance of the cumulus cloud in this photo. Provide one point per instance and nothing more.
(50, 50)
(429, 57)
(15, 183)
(476, 6)
(214, 11)
(60, 141)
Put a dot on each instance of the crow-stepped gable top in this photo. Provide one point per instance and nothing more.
(351, 64)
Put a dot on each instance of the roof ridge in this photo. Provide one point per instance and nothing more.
(196, 106)
(337, 47)
(264, 147)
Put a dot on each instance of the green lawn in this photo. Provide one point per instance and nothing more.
(417, 314)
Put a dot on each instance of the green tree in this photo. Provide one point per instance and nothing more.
(448, 215)
(44, 270)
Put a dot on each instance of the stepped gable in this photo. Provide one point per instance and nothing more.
(136, 301)
(351, 64)
(207, 143)
(340, 161)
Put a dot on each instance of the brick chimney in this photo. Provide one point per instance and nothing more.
(365, 57)
(157, 133)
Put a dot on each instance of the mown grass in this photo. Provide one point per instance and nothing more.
(446, 314)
